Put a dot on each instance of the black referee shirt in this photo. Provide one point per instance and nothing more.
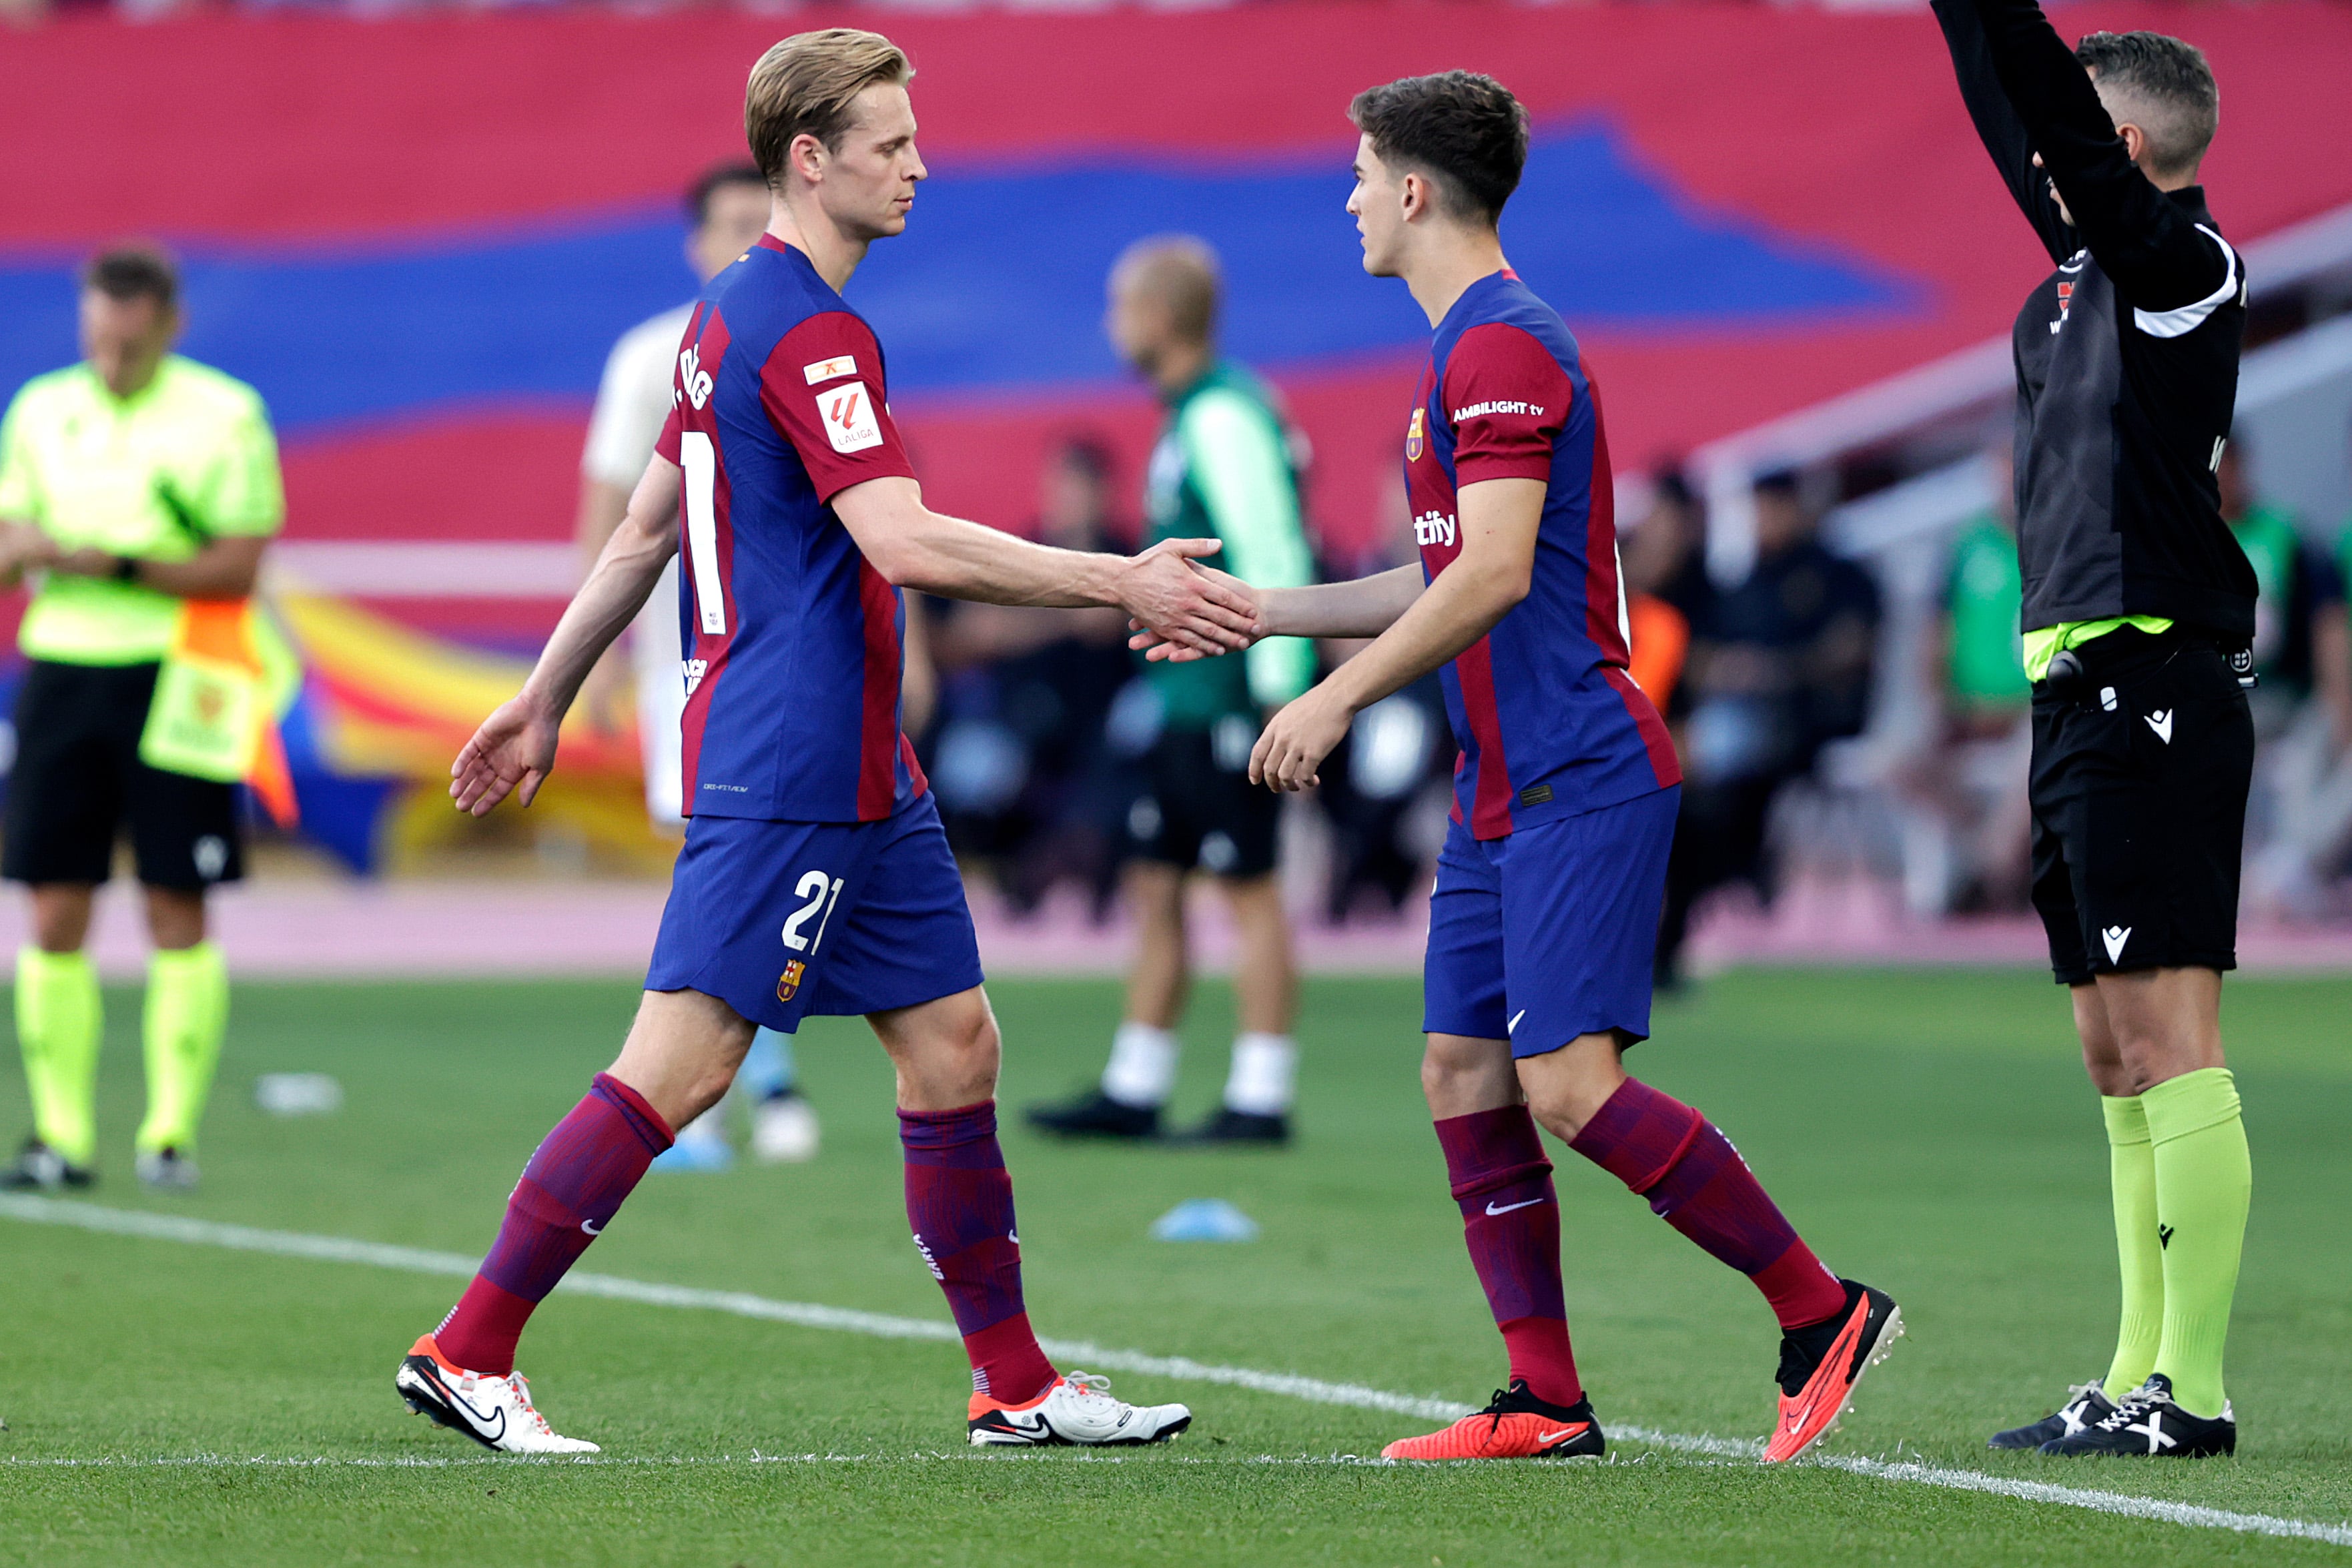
(2127, 355)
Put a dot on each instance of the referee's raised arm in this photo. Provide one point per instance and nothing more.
(2147, 244)
(2000, 126)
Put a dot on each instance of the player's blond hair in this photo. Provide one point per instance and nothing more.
(1180, 271)
(807, 86)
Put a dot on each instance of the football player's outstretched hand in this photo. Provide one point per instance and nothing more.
(1177, 603)
(514, 747)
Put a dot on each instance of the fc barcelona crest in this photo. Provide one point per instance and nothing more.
(1413, 437)
(788, 984)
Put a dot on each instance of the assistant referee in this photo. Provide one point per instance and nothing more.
(128, 483)
(2138, 610)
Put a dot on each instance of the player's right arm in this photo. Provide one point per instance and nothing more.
(514, 751)
(1999, 126)
(914, 547)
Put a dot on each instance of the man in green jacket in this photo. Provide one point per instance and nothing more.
(128, 483)
(1225, 466)
(2301, 813)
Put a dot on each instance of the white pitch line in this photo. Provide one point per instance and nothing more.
(419, 1261)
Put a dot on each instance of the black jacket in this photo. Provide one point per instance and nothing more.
(2127, 355)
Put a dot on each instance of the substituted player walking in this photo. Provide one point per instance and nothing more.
(815, 876)
(1550, 885)
(2138, 611)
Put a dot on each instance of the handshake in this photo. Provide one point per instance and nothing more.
(1180, 610)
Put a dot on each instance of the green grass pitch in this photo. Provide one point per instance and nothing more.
(1929, 1132)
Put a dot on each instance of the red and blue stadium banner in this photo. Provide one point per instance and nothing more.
(419, 237)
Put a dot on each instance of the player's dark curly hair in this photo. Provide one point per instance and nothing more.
(1464, 130)
(2171, 77)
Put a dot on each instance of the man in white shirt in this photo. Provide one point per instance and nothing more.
(726, 210)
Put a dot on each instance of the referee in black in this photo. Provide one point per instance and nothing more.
(2139, 607)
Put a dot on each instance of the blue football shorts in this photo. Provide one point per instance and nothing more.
(782, 919)
(1550, 932)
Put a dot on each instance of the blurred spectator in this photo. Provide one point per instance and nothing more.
(2299, 819)
(1780, 666)
(1668, 595)
(1025, 758)
(1969, 842)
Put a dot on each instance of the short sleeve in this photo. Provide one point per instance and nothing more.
(20, 490)
(824, 392)
(244, 494)
(1507, 399)
(666, 444)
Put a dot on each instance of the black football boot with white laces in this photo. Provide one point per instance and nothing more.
(2086, 1405)
(2148, 1424)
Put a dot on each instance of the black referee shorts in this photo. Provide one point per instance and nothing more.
(2139, 792)
(79, 782)
(1198, 807)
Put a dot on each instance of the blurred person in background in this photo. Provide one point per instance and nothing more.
(1224, 466)
(726, 211)
(129, 484)
(1781, 668)
(2301, 810)
(1973, 843)
(1023, 759)
(1669, 599)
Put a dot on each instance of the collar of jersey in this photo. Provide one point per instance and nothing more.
(1491, 279)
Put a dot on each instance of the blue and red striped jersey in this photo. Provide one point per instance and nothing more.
(792, 639)
(1548, 720)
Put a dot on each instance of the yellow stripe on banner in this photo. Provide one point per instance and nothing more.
(438, 682)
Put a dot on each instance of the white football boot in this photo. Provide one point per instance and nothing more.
(495, 1412)
(784, 1131)
(1076, 1409)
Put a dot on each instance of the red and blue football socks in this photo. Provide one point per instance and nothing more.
(570, 1191)
(960, 1206)
(1696, 1182)
(1511, 1218)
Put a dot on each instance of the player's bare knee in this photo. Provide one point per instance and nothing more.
(1567, 1088)
(175, 917)
(61, 913)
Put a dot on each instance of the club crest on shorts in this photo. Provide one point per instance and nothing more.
(1413, 437)
(788, 984)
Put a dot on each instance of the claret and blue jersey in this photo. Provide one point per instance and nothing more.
(1549, 722)
(792, 639)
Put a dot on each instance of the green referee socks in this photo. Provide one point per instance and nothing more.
(57, 1026)
(187, 1014)
(2131, 1165)
(2203, 1182)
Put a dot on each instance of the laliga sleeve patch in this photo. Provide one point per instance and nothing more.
(850, 423)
